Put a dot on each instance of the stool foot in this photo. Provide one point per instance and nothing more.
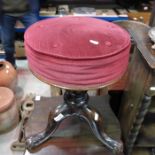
(95, 122)
(54, 121)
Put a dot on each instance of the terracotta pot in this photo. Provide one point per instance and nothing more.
(8, 75)
(9, 113)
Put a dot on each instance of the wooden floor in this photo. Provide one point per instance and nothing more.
(73, 137)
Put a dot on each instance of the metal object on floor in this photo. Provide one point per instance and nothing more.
(26, 110)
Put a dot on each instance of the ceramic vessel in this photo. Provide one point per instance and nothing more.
(151, 34)
(8, 75)
(9, 114)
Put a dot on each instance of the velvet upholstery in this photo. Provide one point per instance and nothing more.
(77, 52)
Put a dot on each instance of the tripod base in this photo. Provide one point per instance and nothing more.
(81, 111)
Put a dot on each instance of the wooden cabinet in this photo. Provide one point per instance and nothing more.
(138, 104)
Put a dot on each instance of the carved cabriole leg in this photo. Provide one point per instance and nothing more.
(54, 121)
(95, 122)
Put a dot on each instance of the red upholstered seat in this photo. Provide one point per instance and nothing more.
(77, 52)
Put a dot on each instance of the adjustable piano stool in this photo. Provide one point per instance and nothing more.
(77, 54)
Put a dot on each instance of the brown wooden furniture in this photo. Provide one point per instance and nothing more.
(73, 136)
(137, 109)
(93, 65)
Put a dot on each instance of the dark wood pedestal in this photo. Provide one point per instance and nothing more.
(73, 136)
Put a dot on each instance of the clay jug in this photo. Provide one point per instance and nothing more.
(8, 75)
(9, 113)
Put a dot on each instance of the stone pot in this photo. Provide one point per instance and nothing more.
(9, 113)
(8, 75)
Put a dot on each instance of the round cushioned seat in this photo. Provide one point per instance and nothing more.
(77, 52)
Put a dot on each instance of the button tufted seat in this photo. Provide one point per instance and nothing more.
(77, 52)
